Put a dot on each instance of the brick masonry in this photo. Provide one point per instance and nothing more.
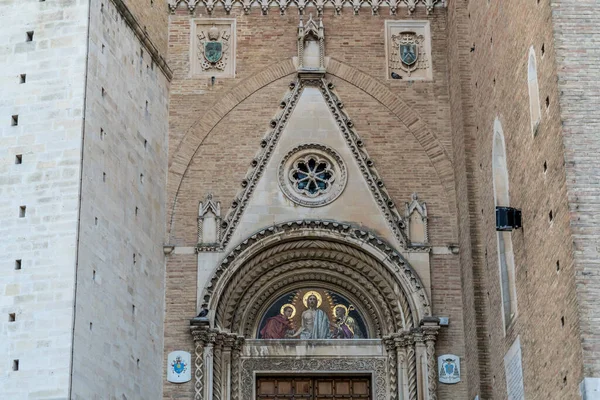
(434, 138)
(545, 297)
(405, 126)
(577, 56)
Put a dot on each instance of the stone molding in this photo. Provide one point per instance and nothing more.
(373, 179)
(360, 252)
(396, 374)
(143, 37)
(375, 366)
(181, 158)
(366, 165)
(301, 5)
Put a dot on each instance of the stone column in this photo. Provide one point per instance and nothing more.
(390, 346)
(430, 331)
(200, 339)
(235, 368)
(228, 343)
(209, 365)
(401, 356)
(218, 367)
(421, 357)
(411, 360)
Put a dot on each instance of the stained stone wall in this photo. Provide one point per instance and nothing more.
(117, 351)
(228, 120)
(49, 105)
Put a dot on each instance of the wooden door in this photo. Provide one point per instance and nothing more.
(313, 388)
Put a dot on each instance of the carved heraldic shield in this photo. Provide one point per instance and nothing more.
(408, 52)
(213, 46)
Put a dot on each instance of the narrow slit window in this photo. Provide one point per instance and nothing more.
(534, 93)
(506, 261)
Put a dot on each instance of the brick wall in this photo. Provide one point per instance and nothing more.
(153, 17)
(230, 139)
(501, 35)
(120, 276)
(48, 137)
(577, 56)
(476, 362)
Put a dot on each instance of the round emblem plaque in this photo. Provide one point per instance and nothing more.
(312, 175)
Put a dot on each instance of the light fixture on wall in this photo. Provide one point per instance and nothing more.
(508, 218)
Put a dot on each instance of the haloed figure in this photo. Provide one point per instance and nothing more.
(315, 323)
(279, 326)
(345, 327)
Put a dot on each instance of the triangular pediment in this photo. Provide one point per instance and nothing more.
(311, 122)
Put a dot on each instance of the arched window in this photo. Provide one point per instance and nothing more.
(506, 260)
(534, 92)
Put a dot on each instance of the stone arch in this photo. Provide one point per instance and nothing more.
(504, 245)
(308, 251)
(201, 129)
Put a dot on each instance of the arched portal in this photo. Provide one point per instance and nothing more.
(372, 287)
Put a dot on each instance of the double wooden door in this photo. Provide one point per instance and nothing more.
(313, 388)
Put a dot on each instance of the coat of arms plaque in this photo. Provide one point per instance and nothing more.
(449, 368)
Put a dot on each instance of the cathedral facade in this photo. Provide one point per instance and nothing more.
(260, 200)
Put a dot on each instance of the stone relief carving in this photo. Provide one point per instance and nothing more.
(402, 271)
(209, 225)
(408, 53)
(408, 46)
(416, 217)
(302, 5)
(312, 175)
(213, 48)
(311, 46)
(388, 372)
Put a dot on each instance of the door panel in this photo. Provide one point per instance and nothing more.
(313, 388)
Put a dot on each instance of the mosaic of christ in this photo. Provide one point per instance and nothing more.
(312, 314)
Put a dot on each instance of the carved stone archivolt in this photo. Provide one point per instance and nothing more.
(320, 254)
(360, 252)
(320, 5)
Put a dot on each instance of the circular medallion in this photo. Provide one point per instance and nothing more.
(312, 175)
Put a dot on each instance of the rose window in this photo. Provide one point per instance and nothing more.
(312, 176)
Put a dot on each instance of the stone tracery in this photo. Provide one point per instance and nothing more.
(320, 5)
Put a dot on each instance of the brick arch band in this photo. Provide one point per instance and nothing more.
(202, 128)
(333, 255)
